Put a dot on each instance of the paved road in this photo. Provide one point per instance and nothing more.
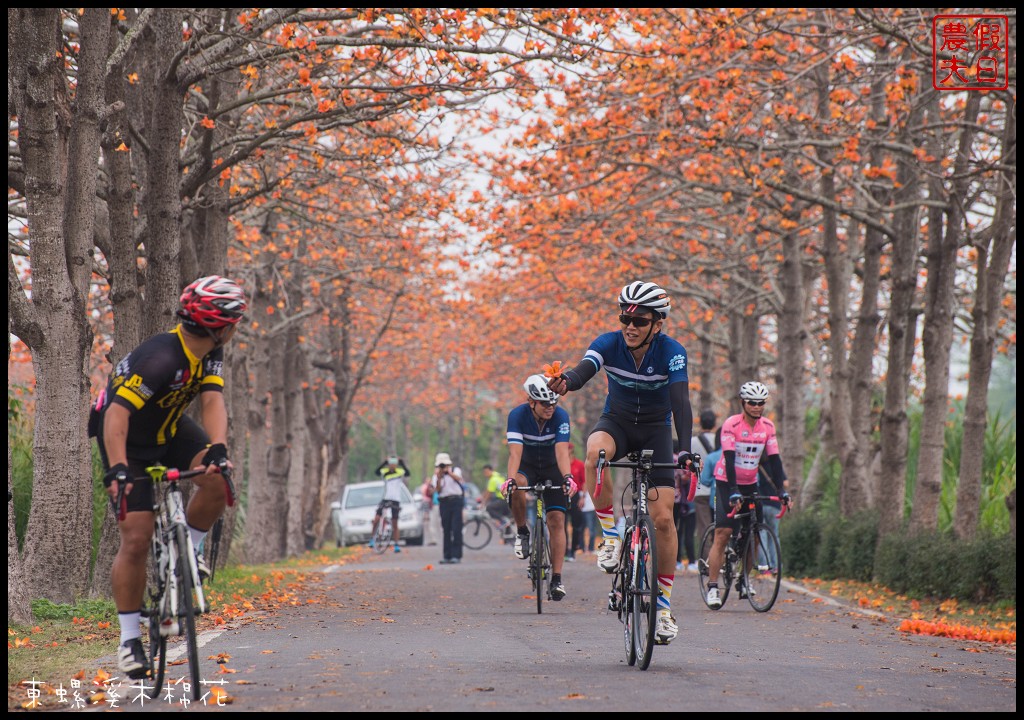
(405, 633)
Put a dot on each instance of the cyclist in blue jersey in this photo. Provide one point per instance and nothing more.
(141, 421)
(538, 450)
(648, 392)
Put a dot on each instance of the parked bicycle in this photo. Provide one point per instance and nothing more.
(175, 591)
(634, 593)
(753, 558)
(539, 567)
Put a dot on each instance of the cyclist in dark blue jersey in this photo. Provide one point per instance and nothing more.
(538, 450)
(141, 420)
(648, 392)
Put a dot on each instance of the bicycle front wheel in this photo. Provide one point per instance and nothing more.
(644, 591)
(476, 534)
(541, 565)
(625, 576)
(157, 642)
(186, 606)
(382, 538)
(762, 567)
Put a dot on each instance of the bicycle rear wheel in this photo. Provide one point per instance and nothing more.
(186, 606)
(212, 547)
(476, 533)
(703, 561)
(762, 567)
(645, 591)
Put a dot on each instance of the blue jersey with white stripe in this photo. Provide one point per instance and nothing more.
(538, 442)
(638, 392)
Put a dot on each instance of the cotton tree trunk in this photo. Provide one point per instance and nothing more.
(162, 198)
(59, 151)
(792, 358)
(265, 510)
(944, 236)
(891, 483)
(993, 260)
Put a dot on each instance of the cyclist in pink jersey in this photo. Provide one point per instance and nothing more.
(745, 437)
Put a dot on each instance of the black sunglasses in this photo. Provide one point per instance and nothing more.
(757, 403)
(547, 404)
(638, 322)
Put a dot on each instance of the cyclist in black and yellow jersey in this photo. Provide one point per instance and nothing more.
(140, 420)
(393, 472)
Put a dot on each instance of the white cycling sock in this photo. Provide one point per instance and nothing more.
(197, 536)
(129, 622)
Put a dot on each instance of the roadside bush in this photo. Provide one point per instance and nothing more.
(857, 537)
(938, 564)
(1003, 571)
(799, 535)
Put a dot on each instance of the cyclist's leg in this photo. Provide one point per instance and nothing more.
(128, 573)
(607, 436)
(395, 510)
(518, 504)
(209, 497)
(554, 500)
(724, 528)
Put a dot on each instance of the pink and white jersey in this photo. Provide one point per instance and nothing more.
(748, 443)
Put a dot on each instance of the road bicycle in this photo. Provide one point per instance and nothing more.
(480, 527)
(175, 592)
(539, 567)
(753, 558)
(634, 593)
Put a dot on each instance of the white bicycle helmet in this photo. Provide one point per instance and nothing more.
(646, 295)
(537, 388)
(753, 390)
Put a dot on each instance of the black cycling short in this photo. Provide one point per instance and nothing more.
(395, 506)
(189, 441)
(554, 499)
(630, 436)
(498, 508)
(722, 504)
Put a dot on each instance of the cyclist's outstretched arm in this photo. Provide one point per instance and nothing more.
(575, 378)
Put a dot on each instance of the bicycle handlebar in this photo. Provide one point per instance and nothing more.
(159, 473)
(757, 498)
(537, 487)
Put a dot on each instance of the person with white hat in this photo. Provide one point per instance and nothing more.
(447, 482)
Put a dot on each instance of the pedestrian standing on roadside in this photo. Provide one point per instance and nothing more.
(447, 481)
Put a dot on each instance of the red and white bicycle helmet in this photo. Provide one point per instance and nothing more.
(645, 295)
(212, 302)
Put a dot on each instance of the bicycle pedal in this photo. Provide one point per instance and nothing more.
(613, 601)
